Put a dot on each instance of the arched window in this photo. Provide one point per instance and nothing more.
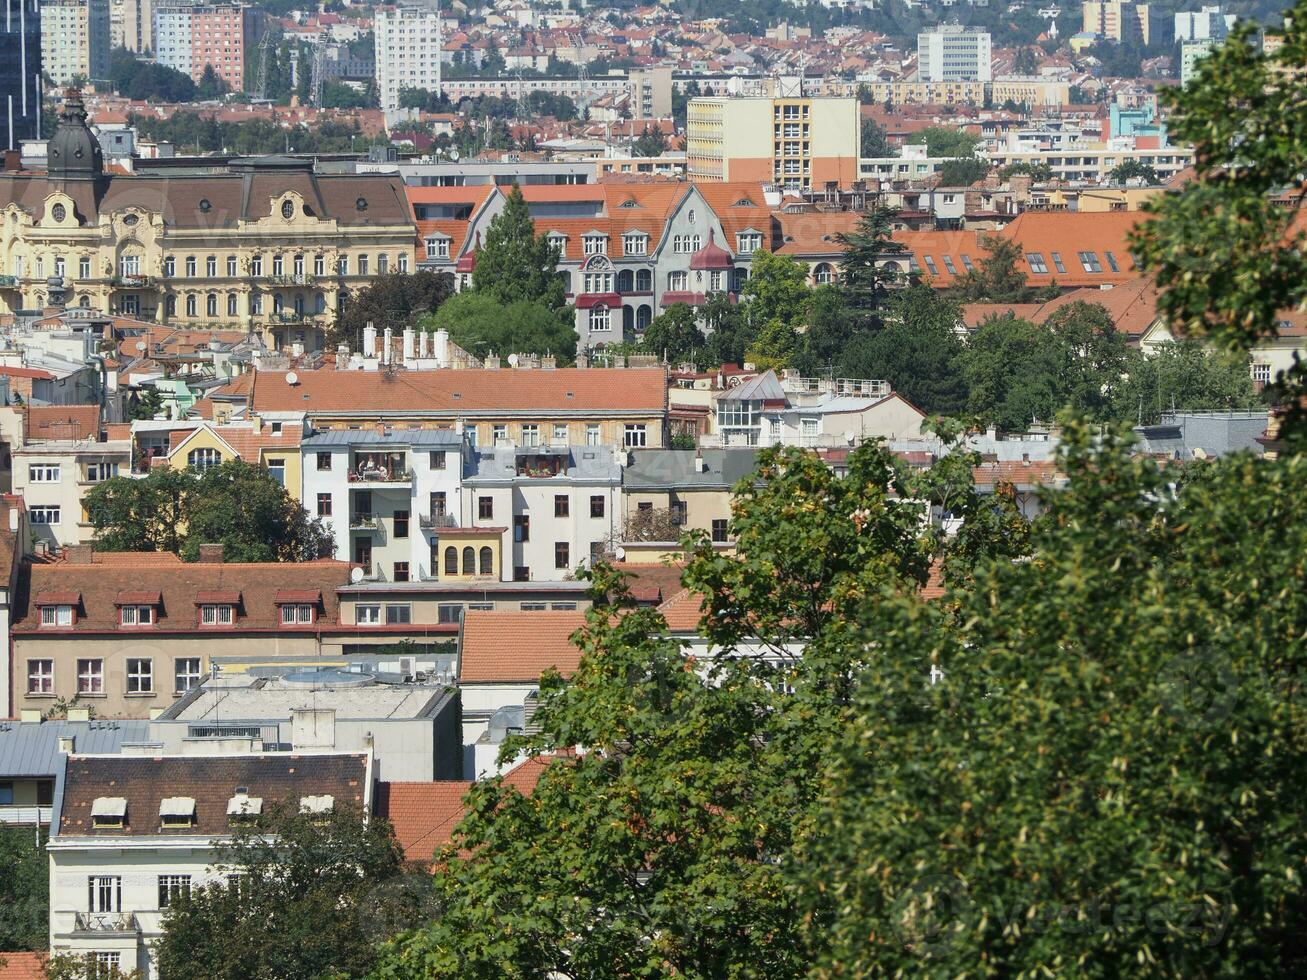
(487, 562)
(451, 560)
(600, 318)
(276, 302)
(625, 281)
(231, 304)
(319, 303)
(190, 305)
(469, 561)
(299, 304)
(643, 317)
(628, 319)
(643, 281)
(211, 304)
(170, 306)
(203, 459)
(824, 273)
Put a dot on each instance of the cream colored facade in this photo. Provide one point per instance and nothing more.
(933, 93)
(1030, 91)
(53, 479)
(793, 142)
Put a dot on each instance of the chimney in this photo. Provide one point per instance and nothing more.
(13, 160)
(68, 743)
(548, 362)
(409, 351)
(13, 518)
(582, 360)
(424, 345)
(342, 357)
(369, 340)
(211, 554)
(1025, 459)
(79, 714)
(387, 340)
(78, 554)
(492, 362)
(313, 728)
(441, 341)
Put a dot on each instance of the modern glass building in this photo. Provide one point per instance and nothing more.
(20, 72)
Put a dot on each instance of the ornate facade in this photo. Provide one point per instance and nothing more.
(265, 244)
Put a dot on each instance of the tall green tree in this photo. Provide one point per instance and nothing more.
(313, 898)
(998, 278)
(962, 172)
(777, 289)
(1183, 376)
(482, 324)
(864, 275)
(872, 139)
(514, 264)
(674, 334)
(395, 301)
(1011, 370)
(945, 141)
(24, 890)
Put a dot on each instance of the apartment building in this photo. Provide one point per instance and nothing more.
(75, 40)
(553, 507)
(1124, 20)
(20, 72)
(263, 245)
(409, 43)
(953, 53)
(193, 37)
(134, 29)
(692, 486)
(796, 143)
(386, 493)
(134, 833)
(198, 446)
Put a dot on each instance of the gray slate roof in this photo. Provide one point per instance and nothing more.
(674, 469)
(400, 438)
(1213, 433)
(29, 749)
(765, 387)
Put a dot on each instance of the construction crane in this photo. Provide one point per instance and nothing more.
(317, 70)
(261, 85)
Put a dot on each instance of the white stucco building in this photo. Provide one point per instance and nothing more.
(408, 43)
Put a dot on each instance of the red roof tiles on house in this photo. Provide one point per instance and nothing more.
(423, 815)
(508, 647)
(22, 966)
(61, 422)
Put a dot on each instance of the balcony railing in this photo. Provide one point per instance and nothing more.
(290, 316)
(8, 282)
(107, 922)
(437, 520)
(297, 279)
(363, 522)
(381, 476)
(131, 281)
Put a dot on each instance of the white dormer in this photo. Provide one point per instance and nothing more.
(317, 804)
(109, 812)
(177, 811)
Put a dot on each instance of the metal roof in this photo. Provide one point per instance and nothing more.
(675, 469)
(765, 387)
(336, 438)
(31, 749)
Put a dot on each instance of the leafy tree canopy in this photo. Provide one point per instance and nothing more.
(945, 141)
(674, 334)
(997, 278)
(514, 264)
(1132, 169)
(962, 172)
(395, 301)
(482, 324)
(24, 890)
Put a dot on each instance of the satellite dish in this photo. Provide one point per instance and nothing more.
(620, 554)
(512, 360)
(453, 155)
(356, 574)
(140, 346)
(292, 378)
(849, 436)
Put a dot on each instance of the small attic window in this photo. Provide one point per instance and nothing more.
(205, 205)
(58, 212)
(130, 220)
(243, 808)
(319, 805)
(744, 202)
(177, 812)
(109, 812)
(629, 203)
(288, 209)
(361, 204)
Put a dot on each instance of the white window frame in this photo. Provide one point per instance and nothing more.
(635, 435)
(43, 473)
(90, 675)
(137, 615)
(40, 676)
(140, 675)
(184, 677)
(296, 614)
(57, 615)
(217, 614)
(368, 615)
(46, 515)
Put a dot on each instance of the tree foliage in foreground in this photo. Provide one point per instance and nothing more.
(396, 301)
(236, 504)
(482, 324)
(311, 896)
(24, 890)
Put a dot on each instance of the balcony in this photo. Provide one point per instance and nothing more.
(364, 522)
(290, 316)
(436, 521)
(105, 922)
(380, 469)
(131, 282)
(299, 279)
(8, 282)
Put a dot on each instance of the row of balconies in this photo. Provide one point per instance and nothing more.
(371, 522)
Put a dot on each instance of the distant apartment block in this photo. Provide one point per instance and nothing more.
(953, 53)
(1211, 23)
(796, 143)
(1123, 20)
(408, 46)
(191, 37)
(20, 70)
(75, 40)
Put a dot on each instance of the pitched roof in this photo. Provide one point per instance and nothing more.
(683, 611)
(812, 233)
(423, 815)
(506, 647)
(61, 422)
(22, 966)
(211, 781)
(1105, 234)
(452, 393)
(180, 584)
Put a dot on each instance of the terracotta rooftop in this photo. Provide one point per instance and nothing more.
(211, 781)
(509, 647)
(423, 814)
(61, 422)
(22, 966)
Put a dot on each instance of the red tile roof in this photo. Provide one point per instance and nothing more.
(22, 966)
(61, 422)
(423, 815)
(507, 647)
(464, 392)
(683, 611)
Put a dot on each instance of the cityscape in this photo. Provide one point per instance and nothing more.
(560, 489)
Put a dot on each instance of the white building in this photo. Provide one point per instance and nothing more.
(553, 505)
(53, 477)
(1192, 52)
(75, 40)
(408, 46)
(953, 53)
(172, 36)
(134, 831)
(1211, 23)
(386, 494)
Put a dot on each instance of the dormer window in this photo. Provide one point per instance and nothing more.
(748, 242)
(217, 614)
(595, 244)
(58, 609)
(559, 241)
(298, 614)
(317, 805)
(635, 244)
(177, 812)
(243, 809)
(437, 248)
(109, 813)
(136, 615)
(58, 615)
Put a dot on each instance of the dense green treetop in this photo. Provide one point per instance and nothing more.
(514, 264)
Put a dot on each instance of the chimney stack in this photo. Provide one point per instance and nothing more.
(387, 340)
(369, 340)
(78, 554)
(409, 351)
(441, 341)
(211, 554)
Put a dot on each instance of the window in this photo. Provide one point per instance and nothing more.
(597, 505)
(342, 266)
(363, 265)
(522, 574)
(592, 433)
(635, 435)
(383, 264)
(7, 793)
(140, 676)
(825, 274)
(90, 676)
(277, 471)
(948, 264)
(216, 615)
(451, 561)
(190, 265)
(530, 434)
(57, 615)
(398, 614)
(562, 505)
(324, 462)
(562, 555)
(231, 267)
(136, 615)
(748, 242)
(1261, 373)
(191, 306)
(367, 615)
(559, 437)
(186, 674)
(1111, 261)
(211, 266)
(231, 304)
(401, 524)
(635, 244)
(498, 433)
(297, 614)
(1036, 262)
(256, 265)
(43, 473)
(437, 459)
(679, 510)
(40, 677)
(486, 508)
(521, 527)
(48, 515)
(278, 265)
(173, 887)
(532, 606)
(84, 268)
(438, 248)
(676, 282)
(563, 606)
(601, 319)
(1057, 262)
(400, 571)
(105, 894)
(448, 613)
(319, 265)
(203, 459)
(1089, 260)
(324, 505)
(719, 529)
(486, 559)
(930, 264)
(594, 244)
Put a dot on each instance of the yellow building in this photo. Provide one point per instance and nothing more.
(798, 143)
(929, 93)
(1030, 91)
(262, 244)
(273, 445)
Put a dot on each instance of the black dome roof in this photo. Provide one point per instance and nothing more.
(73, 152)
